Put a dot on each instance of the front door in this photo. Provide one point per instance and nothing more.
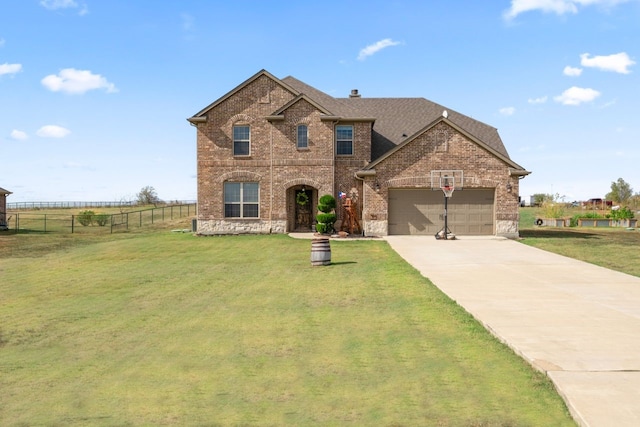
(304, 217)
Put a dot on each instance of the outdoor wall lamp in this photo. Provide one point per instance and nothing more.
(377, 186)
(509, 187)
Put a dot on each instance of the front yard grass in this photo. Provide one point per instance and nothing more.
(613, 248)
(169, 329)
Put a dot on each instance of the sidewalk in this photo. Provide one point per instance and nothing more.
(575, 321)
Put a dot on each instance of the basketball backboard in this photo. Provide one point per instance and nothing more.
(447, 178)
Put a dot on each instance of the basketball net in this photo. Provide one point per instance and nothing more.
(447, 190)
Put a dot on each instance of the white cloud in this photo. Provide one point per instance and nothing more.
(58, 4)
(559, 7)
(572, 71)
(65, 4)
(10, 68)
(376, 47)
(18, 135)
(52, 131)
(75, 81)
(540, 100)
(619, 62)
(188, 22)
(507, 111)
(577, 95)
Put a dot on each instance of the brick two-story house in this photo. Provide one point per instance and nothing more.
(269, 148)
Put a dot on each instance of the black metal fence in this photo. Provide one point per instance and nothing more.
(66, 205)
(29, 222)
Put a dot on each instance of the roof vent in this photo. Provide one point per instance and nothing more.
(354, 93)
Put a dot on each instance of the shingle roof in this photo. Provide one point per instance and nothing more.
(335, 105)
(394, 119)
(398, 118)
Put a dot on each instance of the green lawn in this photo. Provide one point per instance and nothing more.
(614, 248)
(170, 329)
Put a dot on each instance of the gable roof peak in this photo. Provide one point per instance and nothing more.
(202, 113)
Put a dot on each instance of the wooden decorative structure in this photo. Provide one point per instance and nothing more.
(350, 221)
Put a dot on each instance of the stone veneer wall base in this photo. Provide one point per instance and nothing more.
(224, 227)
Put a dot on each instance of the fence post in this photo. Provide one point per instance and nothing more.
(73, 220)
(141, 218)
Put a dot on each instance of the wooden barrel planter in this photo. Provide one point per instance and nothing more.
(320, 251)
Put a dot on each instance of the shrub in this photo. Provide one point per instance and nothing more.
(326, 218)
(86, 217)
(326, 205)
(623, 213)
(591, 215)
(101, 219)
(584, 215)
(552, 210)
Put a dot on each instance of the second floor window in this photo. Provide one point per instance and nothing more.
(241, 141)
(344, 140)
(303, 136)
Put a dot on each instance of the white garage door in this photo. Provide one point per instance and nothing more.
(421, 211)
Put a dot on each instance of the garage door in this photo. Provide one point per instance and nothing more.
(421, 211)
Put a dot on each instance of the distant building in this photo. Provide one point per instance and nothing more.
(3, 208)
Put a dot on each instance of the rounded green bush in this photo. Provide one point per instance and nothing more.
(326, 218)
(326, 202)
(85, 217)
(102, 219)
(321, 228)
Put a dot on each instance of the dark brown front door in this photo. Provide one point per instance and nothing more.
(303, 210)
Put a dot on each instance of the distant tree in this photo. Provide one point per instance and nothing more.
(147, 196)
(620, 192)
(539, 199)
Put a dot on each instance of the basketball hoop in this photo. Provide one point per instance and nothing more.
(447, 184)
(448, 190)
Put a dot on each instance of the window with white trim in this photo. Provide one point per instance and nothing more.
(241, 199)
(344, 140)
(241, 140)
(303, 136)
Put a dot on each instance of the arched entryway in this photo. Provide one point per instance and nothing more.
(301, 208)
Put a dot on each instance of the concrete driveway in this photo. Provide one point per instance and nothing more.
(575, 321)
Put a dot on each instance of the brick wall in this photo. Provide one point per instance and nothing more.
(280, 167)
(442, 147)
(275, 161)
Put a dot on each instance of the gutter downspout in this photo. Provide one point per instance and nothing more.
(271, 180)
(334, 156)
(355, 175)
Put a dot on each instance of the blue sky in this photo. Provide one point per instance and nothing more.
(94, 93)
